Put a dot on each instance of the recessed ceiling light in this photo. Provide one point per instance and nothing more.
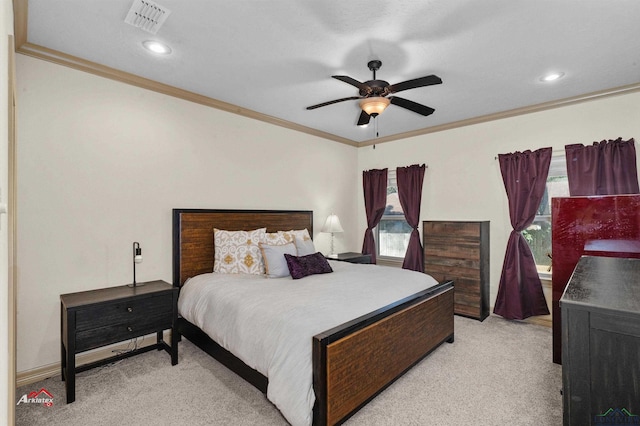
(552, 76)
(156, 47)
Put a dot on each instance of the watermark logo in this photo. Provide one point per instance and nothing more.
(42, 396)
(616, 416)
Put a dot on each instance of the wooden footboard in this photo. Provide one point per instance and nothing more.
(357, 360)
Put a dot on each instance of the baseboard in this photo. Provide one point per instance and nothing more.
(28, 377)
(544, 320)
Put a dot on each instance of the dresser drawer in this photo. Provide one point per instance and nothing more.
(95, 337)
(446, 250)
(449, 230)
(124, 312)
(452, 270)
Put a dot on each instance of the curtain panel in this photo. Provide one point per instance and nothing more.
(520, 291)
(410, 181)
(374, 184)
(607, 167)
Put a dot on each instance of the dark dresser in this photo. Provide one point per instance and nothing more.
(603, 225)
(96, 318)
(601, 342)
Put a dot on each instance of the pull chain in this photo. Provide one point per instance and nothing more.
(375, 123)
(375, 128)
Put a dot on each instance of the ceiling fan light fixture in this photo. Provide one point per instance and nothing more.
(374, 105)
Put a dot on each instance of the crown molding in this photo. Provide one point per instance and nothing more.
(36, 51)
(70, 61)
(616, 91)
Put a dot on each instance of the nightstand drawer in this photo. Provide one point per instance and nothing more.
(96, 337)
(124, 312)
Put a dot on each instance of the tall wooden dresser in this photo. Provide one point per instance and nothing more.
(459, 251)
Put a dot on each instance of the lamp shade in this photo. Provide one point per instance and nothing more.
(374, 105)
(332, 224)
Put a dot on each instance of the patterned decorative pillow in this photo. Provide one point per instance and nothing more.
(304, 247)
(277, 238)
(302, 266)
(237, 252)
(300, 233)
(275, 264)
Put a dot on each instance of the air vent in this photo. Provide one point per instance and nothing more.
(147, 15)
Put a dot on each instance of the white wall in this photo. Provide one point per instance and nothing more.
(6, 29)
(463, 180)
(101, 164)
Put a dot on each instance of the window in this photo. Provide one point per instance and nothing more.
(393, 231)
(538, 234)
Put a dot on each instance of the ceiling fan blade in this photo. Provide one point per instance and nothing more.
(364, 119)
(416, 82)
(412, 106)
(333, 102)
(352, 82)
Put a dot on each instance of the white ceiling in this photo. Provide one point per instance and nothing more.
(276, 57)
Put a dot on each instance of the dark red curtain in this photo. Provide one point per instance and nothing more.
(520, 292)
(604, 168)
(410, 194)
(374, 183)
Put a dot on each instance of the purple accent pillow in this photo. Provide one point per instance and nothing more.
(302, 266)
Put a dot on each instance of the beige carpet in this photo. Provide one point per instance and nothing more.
(497, 372)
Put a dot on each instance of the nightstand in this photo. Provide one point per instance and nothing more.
(351, 257)
(96, 318)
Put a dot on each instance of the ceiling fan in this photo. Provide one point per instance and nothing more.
(373, 94)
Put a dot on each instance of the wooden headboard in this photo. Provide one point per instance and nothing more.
(193, 233)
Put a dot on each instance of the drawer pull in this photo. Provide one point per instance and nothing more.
(129, 309)
(129, 328)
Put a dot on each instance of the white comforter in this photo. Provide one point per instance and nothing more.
(269, 323)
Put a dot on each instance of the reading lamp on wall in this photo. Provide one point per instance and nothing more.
(137, 258)
(332, 225)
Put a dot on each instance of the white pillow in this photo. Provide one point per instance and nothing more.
(274, 261)
(305, 247)
(237, 252)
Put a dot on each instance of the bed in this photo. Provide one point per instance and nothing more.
(351, 362)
